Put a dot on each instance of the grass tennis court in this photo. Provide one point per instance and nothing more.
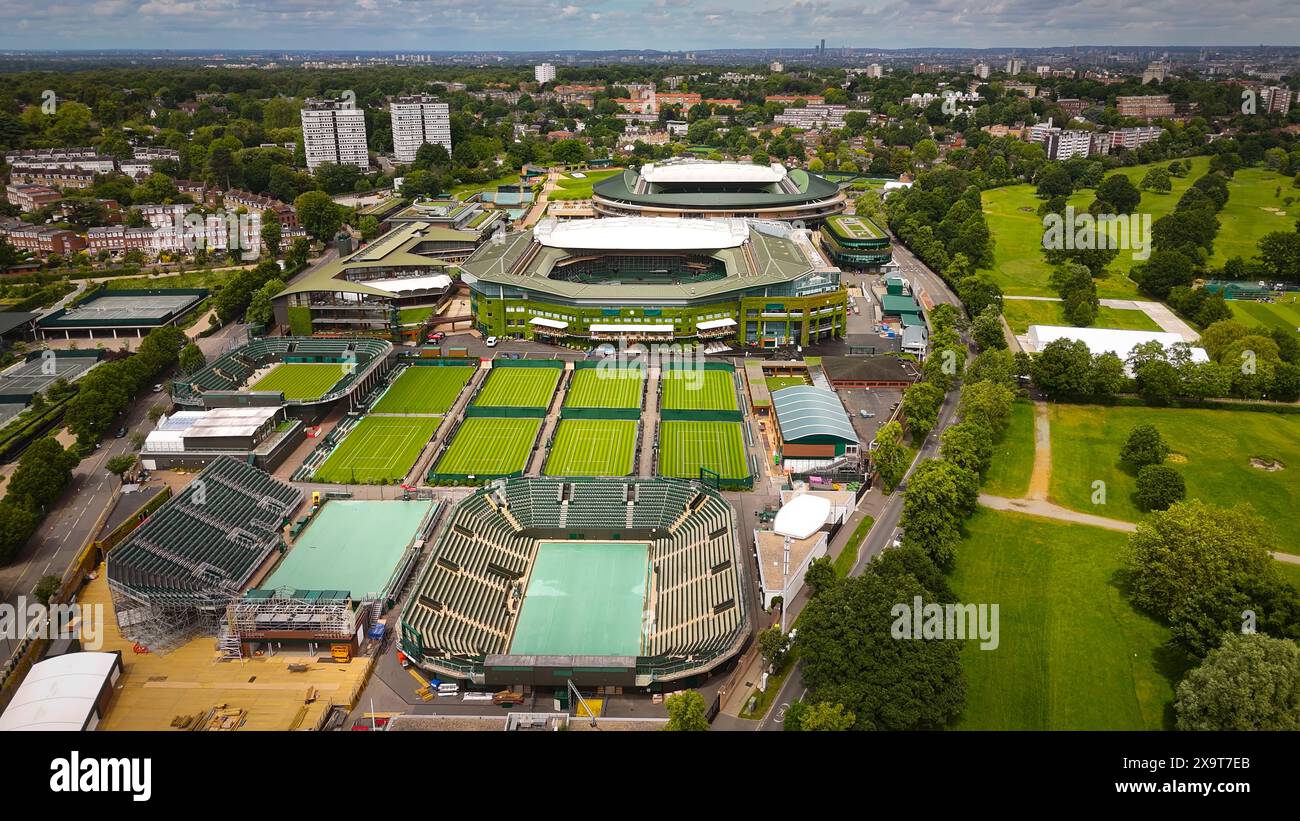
(685, 447)
(519, 387)
(1283, 314)
(584, 599)
(592, 447)
(691, 389)
(301, 380)
(424, 389)
(378, 449)
(605, 388)
(351, 545)
(489, 446)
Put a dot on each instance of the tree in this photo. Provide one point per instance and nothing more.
(43, 471)
(271, 232)
(18, 521)
(1062, 368)
(1118, 194)
(192, 359)
(318, 214)
(46, 588)
(1144, 446)
(1055, 182)
(1251, 682)
(825, 717)
(1280, 251)
(820, 576)
(890, 456)
(986, 329)
(1157, 381)
(969, 445)
(772, 644)
(939, 497)
(1158, 487)
(119, 465)
(1157, 179)
(686, 712)
(1192, 547)
(851, 657)
(921, 404)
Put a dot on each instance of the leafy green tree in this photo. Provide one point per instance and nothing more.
(921, 403)
(1192, 547)
(1157, 180)
(940, 495)
(1118, 194)
(686, 712)
(1144, 446)
(1158, 487)
(318, 214)
(986, 329)
(46, 588)
(820, 576)
(890, 456)
(18, 521)
(271, 233)
(852, 658)
(120, 464)
(192, 359)
(1251, 682)
(824, 717)
(1062, 368)
(43, 471)
(772, 645)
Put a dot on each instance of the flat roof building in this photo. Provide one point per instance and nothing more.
(703, 188)
(418, 120)
(334, 132)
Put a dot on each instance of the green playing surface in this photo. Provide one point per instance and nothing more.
(692, 389)
(424, 389)
(379, 448)
(508, 387)
(584, 599)
(685, 447)
(301, 380)
(592, 447)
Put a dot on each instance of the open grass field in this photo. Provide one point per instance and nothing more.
(378, 449)
(519, 388)
(685, 447)
(1212, 449)
(579, 188)
(1290, 572)
(488, 446)
(1284, 314)
(1073, 654)
(605, 388)
(1255, 208)
(776, 383)
(1013, 457)
(1021, 313)
(301, 380)
(592, 447)
(424, 389)
(466, 190)
(691, 389)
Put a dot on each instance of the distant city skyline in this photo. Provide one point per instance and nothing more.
(669, 25)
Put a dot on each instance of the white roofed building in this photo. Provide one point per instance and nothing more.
(1106, 340)
(67, 693)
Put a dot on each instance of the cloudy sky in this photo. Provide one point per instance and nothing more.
(411, 25)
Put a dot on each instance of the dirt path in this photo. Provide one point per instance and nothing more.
(1041, 479)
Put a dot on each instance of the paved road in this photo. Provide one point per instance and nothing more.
(882, 532)
(66, 529)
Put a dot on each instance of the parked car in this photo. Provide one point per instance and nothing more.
(157, 388)
(437, 336)
(491, 342)
(120, 433)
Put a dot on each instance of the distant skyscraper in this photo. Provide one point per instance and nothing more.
(875, 71)
(334, 131)
(981, 71)
(418, 120)
(544, 73)
(1015, 65)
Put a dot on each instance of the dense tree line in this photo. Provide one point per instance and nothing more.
(107, 390)
(44, 471)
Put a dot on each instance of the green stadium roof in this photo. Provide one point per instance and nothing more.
(854, 227)
(392, 250)
(803, 411)
(768, 255)
(625, 187)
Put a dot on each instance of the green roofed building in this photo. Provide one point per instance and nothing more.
(690, 187)
(813, 429)
(639, 279)
(855, 242)
(386, 289)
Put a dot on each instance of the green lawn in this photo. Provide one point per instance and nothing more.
(692, 389)
(605, 388)
(378, 449)
(849, 555)
(776, 383)
(466, 190)
(1021, 313)
(570, 188)
(1019, 265)
(425, 389)
(301, 380)
(508, 387)
(1013, 457)
(592, 447)
(1290, 572)
(1212, 449)
(414, 316)
(685, 447)
(1255, 208)
(488, 446)
(1073, 654)
(1284, 314)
